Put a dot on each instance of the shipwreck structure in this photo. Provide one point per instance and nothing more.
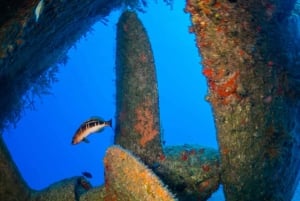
(250, 52)
(253, 91)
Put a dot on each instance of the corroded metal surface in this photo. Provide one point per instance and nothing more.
(246, 60)
(191, 171)
(138, 128)
(138, 125)
(33, 41)
(250, 59)
(12, 186)
(128, 179)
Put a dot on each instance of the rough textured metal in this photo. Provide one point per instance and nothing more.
(138, 125)
(191, 171)
(12, 186)
(246, 49)
(128, 179)
(138, 128)
(30, 47)
(250, 59)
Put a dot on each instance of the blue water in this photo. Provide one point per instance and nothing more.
(41, 142)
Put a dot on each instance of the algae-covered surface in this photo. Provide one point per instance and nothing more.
(95, 194)
(138, 126)
(138, 122)
(62, 190)
(11, 183)
(253, 101)
(33, 41)
(250, 61)
(192, 171)
(128, 179)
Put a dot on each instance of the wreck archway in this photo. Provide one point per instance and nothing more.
(177, 120)
(19, 42)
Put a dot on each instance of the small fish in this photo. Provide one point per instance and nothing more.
(38, 10)
(93, 125)
(87, 175)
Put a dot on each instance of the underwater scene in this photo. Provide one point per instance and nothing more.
(150, 100)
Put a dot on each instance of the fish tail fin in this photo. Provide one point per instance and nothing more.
(109, 123)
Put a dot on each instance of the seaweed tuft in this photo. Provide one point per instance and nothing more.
(20, 102)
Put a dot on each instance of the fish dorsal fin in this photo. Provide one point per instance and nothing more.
(91, 119)
(96, 118)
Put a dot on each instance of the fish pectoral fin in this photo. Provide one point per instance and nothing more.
(100, 130)
(85, 140)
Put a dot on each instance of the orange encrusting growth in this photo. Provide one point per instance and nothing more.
(127, 179)
(222, 85)
(145, 125)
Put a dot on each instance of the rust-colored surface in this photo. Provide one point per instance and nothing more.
(127, 179)
(138, 124)
(250, 60)
(246, 50)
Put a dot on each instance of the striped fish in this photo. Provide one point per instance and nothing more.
(93, 125)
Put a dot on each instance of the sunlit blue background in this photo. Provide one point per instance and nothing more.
(41, 143)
